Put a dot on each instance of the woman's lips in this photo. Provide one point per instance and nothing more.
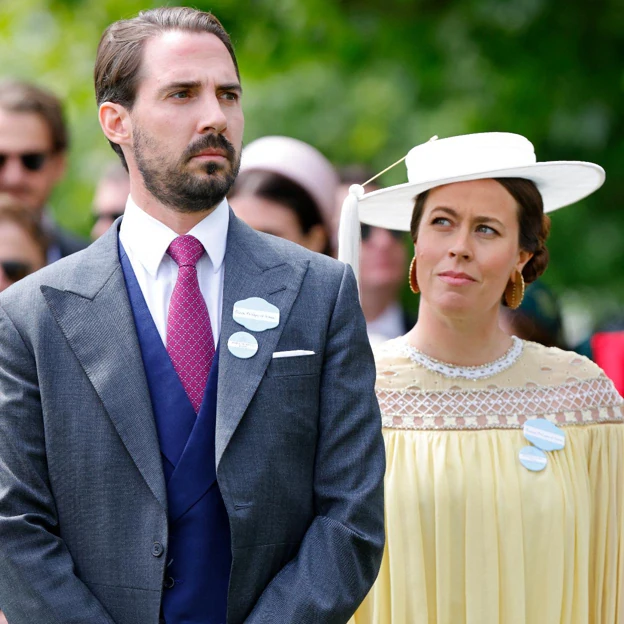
(456, 279)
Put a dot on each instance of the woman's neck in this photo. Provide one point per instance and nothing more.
(464, 341)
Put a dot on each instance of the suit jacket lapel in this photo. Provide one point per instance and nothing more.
(94, 314)
(252, 269)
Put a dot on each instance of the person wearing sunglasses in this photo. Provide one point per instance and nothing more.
(33, 147)
(22, 245)
(383, 263)
(109, 201)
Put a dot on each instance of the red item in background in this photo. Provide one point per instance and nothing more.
(608, 353)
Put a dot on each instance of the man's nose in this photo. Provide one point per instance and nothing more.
(13, 171)
(213, 118)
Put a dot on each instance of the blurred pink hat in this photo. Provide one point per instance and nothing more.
(300, 163)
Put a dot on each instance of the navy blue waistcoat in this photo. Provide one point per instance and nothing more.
(199, 552)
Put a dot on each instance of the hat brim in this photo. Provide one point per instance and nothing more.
(560, 183)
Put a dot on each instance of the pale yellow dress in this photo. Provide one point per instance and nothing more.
(472, 535)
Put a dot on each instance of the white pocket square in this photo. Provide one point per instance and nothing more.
(296, 353)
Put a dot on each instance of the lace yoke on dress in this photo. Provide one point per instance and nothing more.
(530, 380)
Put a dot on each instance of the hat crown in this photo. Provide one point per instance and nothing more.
(297, 161)
(468, 155)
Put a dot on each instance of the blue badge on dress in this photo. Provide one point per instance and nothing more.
(543, 434)
(242, 345)
(533, 459)
(256, 314)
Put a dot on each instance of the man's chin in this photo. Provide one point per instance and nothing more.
(211, 168)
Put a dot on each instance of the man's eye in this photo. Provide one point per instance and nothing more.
(180, 95)
(230, 95)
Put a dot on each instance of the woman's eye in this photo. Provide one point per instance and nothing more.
(440, 221)
(486, 229)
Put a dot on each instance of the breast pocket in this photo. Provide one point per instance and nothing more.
(294, 366)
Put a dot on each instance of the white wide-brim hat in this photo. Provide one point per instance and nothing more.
(300, 163)
(476, 157)
(460, 159)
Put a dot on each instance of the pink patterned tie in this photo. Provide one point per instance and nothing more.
(189, 334)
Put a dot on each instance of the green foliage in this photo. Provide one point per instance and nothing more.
(366, 80)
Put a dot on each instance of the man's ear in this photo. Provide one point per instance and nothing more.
(115, 122)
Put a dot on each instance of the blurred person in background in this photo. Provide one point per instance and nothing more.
(538, 318)
(110, 198)
(33, 157)
(22, 246)
(286, 188)
(383, 266)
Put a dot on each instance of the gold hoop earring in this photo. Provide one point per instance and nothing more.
(413, 282)
(514, 291)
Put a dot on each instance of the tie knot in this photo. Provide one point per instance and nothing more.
(185, 250)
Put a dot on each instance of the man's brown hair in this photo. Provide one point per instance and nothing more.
(120, 52)
(17, 96)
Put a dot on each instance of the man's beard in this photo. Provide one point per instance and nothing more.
(185, 190)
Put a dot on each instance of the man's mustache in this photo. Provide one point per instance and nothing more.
(210, 141)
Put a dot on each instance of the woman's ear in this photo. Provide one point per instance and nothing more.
(115, 122)
(523, 257)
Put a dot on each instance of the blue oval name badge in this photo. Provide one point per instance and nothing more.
(242, 345)
(533, 459)
(256, 314)
(543, 434)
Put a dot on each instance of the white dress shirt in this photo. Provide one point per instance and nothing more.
(146, 241)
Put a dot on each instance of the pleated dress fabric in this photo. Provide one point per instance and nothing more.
(474, 537)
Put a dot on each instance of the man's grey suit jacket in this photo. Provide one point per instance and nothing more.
(299, 452)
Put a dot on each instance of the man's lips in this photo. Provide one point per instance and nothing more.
(211, 155)
(455, 278)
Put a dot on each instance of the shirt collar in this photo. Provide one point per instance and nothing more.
(149, 238)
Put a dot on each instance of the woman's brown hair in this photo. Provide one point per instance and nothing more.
(534, 225)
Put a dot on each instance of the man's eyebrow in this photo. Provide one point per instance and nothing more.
(234, 86)
(179, 86)
(183, 85)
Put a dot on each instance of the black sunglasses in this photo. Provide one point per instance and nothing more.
(33, 161)
(15, 270)
(367, 230)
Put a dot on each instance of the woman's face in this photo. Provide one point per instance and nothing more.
(467, 247)
(274, 218)
(18, 253)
